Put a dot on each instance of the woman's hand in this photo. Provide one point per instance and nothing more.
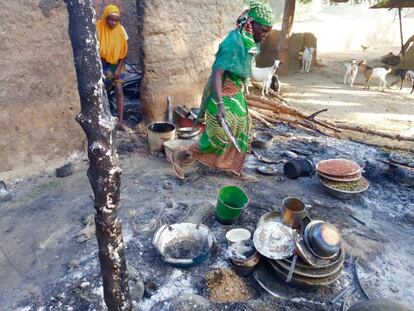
(221, 113)
(117, 74)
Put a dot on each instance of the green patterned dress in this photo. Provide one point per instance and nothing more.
(214, 149)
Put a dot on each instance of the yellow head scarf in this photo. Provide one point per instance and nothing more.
(113, 44)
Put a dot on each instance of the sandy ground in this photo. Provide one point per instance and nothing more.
(391, 110)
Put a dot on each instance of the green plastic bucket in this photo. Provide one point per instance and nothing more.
(231, 201)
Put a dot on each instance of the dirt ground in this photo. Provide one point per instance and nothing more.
(45, 264)
(391, 110)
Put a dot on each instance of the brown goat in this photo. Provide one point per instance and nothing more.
(375, 73)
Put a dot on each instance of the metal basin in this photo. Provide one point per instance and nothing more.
(343, 194)
(323, 239)
(184, 244)
(262, 139)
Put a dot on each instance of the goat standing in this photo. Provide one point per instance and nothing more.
(351, 72)
(263, 75)
(307, 58)
(409, 75)
(374, 73)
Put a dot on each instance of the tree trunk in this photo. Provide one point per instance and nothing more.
(104, 172)
(285, 33)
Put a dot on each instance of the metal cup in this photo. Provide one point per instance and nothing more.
(294, 210)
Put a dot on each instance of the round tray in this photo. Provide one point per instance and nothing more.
(343, 194)
(312, 272)
(338, 167)
(304, 281)
(341, 179)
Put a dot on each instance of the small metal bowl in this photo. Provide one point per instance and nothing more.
(249, 259)
(267, 169)
(262, 139)
(323, 239)
(188, 132)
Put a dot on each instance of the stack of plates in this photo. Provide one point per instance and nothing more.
(309, 269)
(342, 178)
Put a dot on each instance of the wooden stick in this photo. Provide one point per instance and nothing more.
(362, 129)
(280, 106)
(312, 118)
(265, 112)
(259, 117)
(256, 104)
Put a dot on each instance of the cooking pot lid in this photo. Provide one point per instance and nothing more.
(274, 240)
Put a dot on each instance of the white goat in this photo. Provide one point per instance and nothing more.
(410, 76)
(307, 58)
(263, 75)
(374, 73)
(351, 72)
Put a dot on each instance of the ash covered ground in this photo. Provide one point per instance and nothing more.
(45, 266)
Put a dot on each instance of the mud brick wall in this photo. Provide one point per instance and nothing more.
(38, 91)
(180, 40)
(173, 41)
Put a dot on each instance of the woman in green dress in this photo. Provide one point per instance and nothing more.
(223, 96)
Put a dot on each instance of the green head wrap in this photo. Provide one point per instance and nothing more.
(261, 13)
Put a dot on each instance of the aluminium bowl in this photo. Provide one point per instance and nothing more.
(343, 194)
(323, 239)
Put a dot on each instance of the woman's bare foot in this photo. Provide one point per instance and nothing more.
(124, 128)
(177, 160)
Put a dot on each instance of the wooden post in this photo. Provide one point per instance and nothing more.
(401, 32)
(104, 172)
(285, 33)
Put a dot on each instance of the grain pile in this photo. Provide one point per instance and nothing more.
(226, 286)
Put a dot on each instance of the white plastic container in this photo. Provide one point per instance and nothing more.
(237, 235)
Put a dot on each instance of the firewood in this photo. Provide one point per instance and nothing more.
(365, 130)
(265, 112)
(257, 104)
(259, 117)
(279, 106)
(260, 102)
(280, 111)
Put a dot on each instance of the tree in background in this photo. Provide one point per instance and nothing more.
(285, 34)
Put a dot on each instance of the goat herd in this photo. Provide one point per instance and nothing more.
(270, 80)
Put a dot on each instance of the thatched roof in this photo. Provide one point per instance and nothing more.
(393, 4)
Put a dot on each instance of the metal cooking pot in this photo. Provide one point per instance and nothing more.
(158, 133)
(188, 132)
(323, 239)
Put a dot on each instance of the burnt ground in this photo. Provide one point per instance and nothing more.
(43, 267)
